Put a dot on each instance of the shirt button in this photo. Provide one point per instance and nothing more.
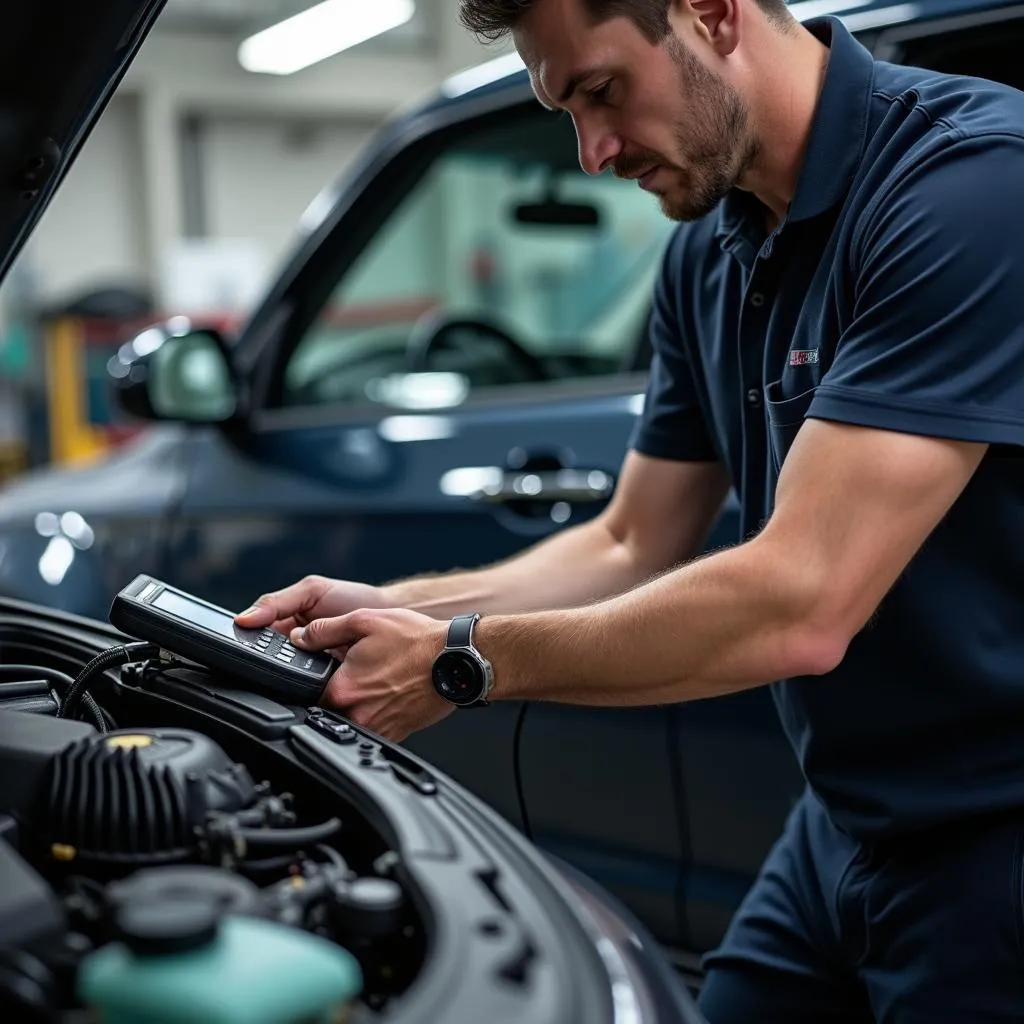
(757, 299)
(754, 398)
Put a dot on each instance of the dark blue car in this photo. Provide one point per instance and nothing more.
(446, 371)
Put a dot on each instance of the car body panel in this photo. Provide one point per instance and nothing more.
(738, 780)
(583, 773)
(124, 503)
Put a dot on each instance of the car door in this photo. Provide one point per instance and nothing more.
(454, 388)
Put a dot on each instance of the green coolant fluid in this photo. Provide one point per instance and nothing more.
(241, 971)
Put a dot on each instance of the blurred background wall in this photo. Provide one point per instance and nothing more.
(188, 195)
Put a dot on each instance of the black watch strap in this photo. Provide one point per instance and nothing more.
(460, 631)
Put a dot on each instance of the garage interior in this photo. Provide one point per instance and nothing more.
(188, 196)
(360, 315)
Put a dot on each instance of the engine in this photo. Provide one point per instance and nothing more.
(147, 877)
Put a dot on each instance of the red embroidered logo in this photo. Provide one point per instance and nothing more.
(803, 356)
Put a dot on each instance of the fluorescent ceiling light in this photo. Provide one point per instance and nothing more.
(320, 32)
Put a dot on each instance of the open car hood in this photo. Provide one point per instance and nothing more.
(60, 62)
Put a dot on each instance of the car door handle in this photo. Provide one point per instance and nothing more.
(569, 485)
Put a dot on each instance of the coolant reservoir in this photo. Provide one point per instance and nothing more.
(184, 964)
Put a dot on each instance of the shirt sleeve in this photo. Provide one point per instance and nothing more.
(936, 341)
(672, 425)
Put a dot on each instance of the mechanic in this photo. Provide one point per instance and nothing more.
(838, 332)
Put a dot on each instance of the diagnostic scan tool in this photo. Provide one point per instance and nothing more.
(197, 631)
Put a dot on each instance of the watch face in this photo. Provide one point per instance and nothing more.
(458, 677)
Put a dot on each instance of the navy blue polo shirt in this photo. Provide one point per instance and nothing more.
(892, 296)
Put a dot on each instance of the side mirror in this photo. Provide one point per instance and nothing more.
(172, 372)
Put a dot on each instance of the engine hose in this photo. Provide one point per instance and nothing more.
(268, 863)
(62, 684)
(333, 856)
(107, 659)
(257, 837)
(18, 673)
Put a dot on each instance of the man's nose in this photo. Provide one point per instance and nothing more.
(598, 147)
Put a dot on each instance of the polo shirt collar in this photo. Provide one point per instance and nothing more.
(835, 145)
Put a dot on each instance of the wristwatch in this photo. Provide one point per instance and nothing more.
(461, 674)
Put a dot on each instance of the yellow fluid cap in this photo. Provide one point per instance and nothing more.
(127, 742)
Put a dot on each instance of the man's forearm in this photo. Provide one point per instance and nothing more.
(574, 567)
(735, 620)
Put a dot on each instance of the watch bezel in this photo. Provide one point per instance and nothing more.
(482, 672)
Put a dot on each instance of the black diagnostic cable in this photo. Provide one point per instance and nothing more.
(108, 659)
(517, 770)
(102, 721)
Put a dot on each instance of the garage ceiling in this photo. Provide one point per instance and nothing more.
(228, 15)
(239, 18)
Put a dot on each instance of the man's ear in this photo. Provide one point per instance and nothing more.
(715, 23)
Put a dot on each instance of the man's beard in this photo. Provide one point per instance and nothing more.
(717, 151)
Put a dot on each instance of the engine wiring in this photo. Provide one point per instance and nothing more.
(78, 691)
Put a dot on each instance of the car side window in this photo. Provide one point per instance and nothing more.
(504, 264)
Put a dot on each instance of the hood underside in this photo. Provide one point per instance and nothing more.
(61, 62)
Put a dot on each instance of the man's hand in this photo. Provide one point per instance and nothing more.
(315, 597)
(384, 681)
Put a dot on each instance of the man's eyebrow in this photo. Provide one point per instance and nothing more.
(575, 81)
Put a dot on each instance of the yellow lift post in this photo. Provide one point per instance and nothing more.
(73, 439)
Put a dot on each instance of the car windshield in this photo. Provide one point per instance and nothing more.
(501, 226)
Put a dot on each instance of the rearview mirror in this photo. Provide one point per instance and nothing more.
(171, 372)
(553, 213)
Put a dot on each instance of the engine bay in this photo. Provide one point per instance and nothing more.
(178, 850)
(145, 866)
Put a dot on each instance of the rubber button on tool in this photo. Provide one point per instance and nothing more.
(340, 732)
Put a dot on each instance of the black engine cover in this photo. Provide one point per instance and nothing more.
(139, 798)
(30, 915)
(28, 743)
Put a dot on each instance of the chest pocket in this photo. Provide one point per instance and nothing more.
(785, 418)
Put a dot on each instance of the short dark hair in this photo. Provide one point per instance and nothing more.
(493, 19)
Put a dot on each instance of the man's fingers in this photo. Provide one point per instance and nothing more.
(286, 625)
(339, 692)
(323, 634)
(265, 611)
(282, 604)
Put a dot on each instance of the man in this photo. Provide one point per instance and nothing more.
(838, 330)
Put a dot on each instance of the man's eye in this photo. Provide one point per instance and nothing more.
(602, 93)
